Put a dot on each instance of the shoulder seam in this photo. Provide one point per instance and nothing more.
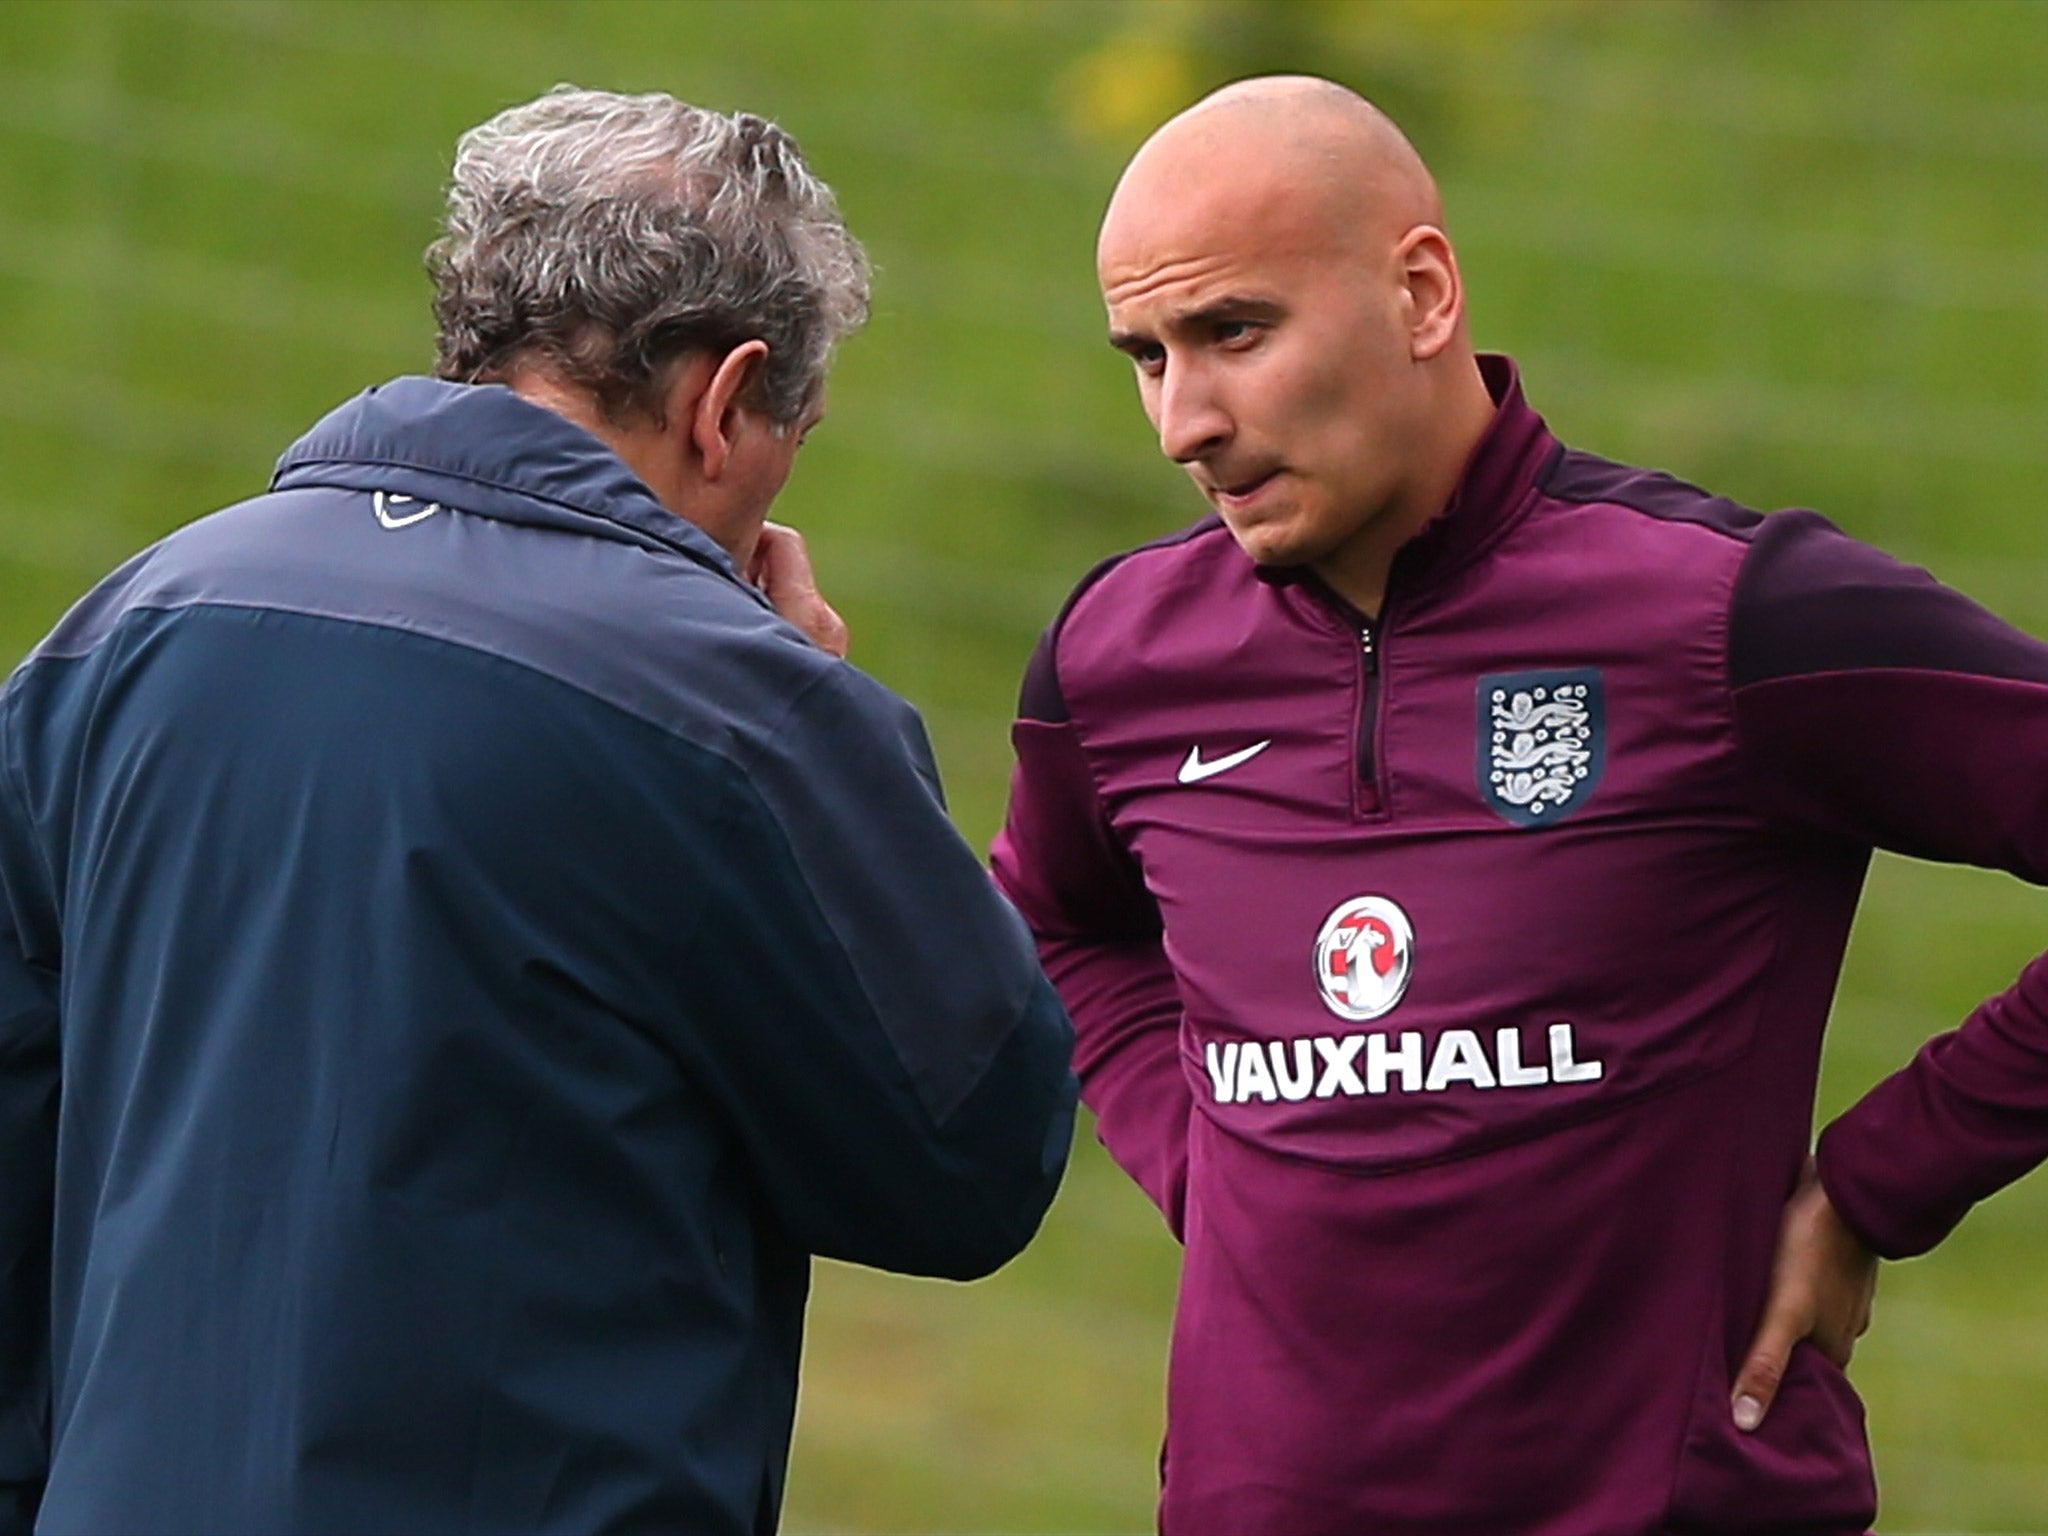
(1047, 652)
(1088, 582)
(1703, 498)
(823, 675)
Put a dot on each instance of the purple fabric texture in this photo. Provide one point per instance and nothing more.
(1475, 1092)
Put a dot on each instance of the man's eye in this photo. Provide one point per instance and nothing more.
(1149, 359)
(1230, 332)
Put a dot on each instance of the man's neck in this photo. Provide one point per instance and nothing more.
(641, 448)
(1358, 572)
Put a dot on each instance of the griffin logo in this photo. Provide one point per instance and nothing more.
(1363, 955)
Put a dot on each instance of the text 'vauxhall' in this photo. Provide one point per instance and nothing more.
(1325, 1066)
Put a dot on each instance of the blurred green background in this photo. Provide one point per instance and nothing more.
(1794, 250)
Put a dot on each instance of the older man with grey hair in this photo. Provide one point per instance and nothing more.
(466, 937)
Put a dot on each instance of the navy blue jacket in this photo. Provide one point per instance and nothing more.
(460, 954)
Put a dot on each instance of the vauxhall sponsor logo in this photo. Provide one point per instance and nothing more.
(1324, 1066)
(1363, 955)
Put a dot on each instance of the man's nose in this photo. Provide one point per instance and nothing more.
(1191, 420)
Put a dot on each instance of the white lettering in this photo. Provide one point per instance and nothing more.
(1564, 1068)
(1253, 1078)
(1512, 1073)
(1294, 1086)
(1338, 1076)
(1222, 1069)
(1458, 1059)
(1379, 1061)
(1325, 1066)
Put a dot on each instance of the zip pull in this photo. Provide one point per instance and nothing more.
(1366, 798)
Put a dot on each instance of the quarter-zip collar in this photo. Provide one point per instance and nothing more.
(486, 451)
(1491, 495)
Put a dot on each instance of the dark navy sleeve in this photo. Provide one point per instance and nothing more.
(909, 1103)
(1878, 706)
(28, 1131)
(1099, 935)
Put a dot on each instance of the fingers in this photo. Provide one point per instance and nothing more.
(1836, 1337)
(781, 560)
(1822, 1283)
(1844, 1277)
(781, 568)
(1845, 1318)
(1763, 1368)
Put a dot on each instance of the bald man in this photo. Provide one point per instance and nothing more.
(1446, 850)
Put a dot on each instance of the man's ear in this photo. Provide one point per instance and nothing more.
(712, 417)
(1436, 294)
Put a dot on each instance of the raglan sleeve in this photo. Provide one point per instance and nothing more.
(872, 1017)
(1100, 937)
(1878, 706)
(28, 1133)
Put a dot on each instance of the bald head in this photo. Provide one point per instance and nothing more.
(1295, 147)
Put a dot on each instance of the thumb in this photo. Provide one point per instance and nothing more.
(1763, 1369)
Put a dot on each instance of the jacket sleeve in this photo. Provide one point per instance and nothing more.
(28, 1135)
(907, 1101)
(1878, 706)
(1100, 937)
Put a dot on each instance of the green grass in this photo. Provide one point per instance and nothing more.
(1794, 251)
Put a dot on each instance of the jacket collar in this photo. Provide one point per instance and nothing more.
(1493, 491)
(1491, 494)
(483, 449)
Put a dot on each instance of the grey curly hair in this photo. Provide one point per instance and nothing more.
(608, 236)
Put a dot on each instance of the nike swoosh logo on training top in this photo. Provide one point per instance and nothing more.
(382, 504)
(1194, 770)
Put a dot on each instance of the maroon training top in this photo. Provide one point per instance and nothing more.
(1455, 982)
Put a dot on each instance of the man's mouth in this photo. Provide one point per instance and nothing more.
(1243, 492)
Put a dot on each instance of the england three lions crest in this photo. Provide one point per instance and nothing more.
(1542, 743)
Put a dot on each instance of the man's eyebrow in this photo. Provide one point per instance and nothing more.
(1229, 307)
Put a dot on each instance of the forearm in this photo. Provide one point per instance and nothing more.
(1966, 1117)
(1063, 862)
(928, 1126)
(1126, 1014)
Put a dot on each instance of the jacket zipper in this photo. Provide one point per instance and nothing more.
(1368, 719)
